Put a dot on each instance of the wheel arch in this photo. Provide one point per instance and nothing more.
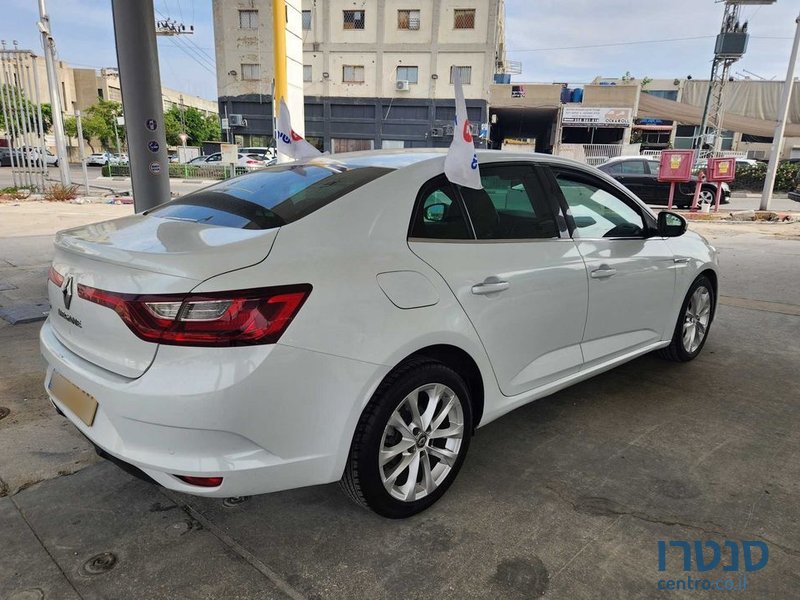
(460, 361)
(712, 276)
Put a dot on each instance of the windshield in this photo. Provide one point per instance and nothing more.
(270, 197)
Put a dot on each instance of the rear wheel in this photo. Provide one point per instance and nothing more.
(707, 195)
(694, 321)
(411, 440)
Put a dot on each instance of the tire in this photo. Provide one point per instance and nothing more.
(435, 460)
(681, 348)
(707, 195)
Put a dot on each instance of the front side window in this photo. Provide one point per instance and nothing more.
(465, 72)
(439, 215)
(353, 73)
(410, 74)
(353, 19)
(596, 212)
(511, 205)
(632, 167)
(464, 18)
(270, 197)
(248, 19)
(408, 19)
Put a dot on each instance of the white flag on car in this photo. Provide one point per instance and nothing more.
(290, 143)
(461, 162)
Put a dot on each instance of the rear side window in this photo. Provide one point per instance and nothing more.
(511, 205)
(270, 197)
(439, 215)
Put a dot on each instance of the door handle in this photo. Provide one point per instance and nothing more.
(603, 272)
(490, 286)
(680, 260)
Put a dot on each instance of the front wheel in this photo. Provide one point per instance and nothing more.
(411, 440)
(694, 321)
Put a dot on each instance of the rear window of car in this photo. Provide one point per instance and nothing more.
(269, 198)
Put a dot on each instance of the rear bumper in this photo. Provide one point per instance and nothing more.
(265, 418)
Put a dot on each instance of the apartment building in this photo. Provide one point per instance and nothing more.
(376, 73)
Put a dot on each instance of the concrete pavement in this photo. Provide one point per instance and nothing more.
(564, 498)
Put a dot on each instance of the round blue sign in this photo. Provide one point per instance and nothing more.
(153, 145)
(151, 124)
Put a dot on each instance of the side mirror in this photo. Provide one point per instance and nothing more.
(435, 212)
(671, 224)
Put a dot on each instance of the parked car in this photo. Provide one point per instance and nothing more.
(640, 175)
(98, 159)
(5, 157)
(357, 319)
(118, 159)
(23, 153)
(249, 161)
(34, 154)
(263, 151)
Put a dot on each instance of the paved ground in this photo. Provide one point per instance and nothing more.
(565, 498)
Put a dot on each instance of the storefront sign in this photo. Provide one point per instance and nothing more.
(593, 116)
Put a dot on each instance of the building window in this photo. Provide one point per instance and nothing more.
(354, 19)
(353, 73)
(465, 72)
(410, 74)
(306, 20)
(464, 18)
(248, 19)
(251, 71)
(350, 145)
(408, 19)
(306, 72)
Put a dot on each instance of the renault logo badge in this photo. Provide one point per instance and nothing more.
(67, 291)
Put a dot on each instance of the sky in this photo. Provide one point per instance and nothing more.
(555, 40)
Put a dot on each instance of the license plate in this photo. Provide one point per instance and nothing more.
(83, 405)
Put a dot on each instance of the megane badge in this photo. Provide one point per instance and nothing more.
(67, 291)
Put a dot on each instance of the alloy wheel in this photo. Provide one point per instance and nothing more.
(421, 442)
(696, 319)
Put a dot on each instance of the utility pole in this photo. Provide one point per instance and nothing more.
(49, 47)
(140, 81)
(783, 114)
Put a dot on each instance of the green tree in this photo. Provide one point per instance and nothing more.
(93, 126)
(17, 108)
(198, 127)
(107, 111)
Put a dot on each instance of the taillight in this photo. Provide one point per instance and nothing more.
(237, 318)
(253, 162)
(56, 277)
(201, 481)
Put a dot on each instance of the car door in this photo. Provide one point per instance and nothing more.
(631, 272)
(518, 277)
(659, 191)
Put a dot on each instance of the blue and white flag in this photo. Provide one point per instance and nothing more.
(461, 162)
(290, 143)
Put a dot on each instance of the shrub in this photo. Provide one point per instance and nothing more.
(752, 177)
(15, 193)
(61, 193)
(105, 171)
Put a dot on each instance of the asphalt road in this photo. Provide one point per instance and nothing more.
(565, 498)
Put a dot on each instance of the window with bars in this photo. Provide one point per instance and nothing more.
(464, 18)
(306, 72)
(248, 19)
(251, 71)
(353, 73)
(306, 20)
(353, 19)
(464, 71)
(410, 74)
(408, 19)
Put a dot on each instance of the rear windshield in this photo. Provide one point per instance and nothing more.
(270, 197)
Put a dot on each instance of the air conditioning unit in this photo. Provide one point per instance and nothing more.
(236, 121)
(437, 132)
(402, 85)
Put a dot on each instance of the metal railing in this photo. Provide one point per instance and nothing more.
(597, 154)
(187, 171)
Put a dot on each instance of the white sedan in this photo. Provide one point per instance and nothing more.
(357, 317)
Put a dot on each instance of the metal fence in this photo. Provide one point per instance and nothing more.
(186, 171)
(597, 154)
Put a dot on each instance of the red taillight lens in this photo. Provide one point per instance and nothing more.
(56, 277)
(201, 481)
(237, 318)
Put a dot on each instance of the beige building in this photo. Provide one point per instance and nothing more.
(375, 73)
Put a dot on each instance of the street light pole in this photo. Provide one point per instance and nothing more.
(783, 114)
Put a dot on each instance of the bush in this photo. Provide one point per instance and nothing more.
(105, 171)
(752, 177)
(15, 193)
(61, 193)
